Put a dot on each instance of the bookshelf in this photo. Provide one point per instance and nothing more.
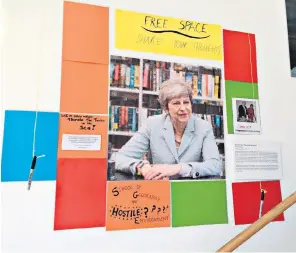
(133, 94)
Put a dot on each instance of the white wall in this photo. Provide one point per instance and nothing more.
(32, 43)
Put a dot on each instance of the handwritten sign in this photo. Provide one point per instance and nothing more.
(83, 135)
(164, 35)
(84, 122)
(138, 204)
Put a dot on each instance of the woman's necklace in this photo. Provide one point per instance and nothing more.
(179, 137)
(178, 142)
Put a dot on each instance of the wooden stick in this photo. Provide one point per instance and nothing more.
(259, 224)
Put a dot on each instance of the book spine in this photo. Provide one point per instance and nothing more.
(132, 76)
(157, 75)
(111, 73)
(146, 76)
(122, 74)
(134, 125)
(137, 76)
(127, 76)
(116, 74)
(130, 119)
(116, 118)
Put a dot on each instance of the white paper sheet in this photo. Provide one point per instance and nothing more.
(81, 142)
(258, 160)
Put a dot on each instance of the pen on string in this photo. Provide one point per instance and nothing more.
(32, 169)
(38, 85)
(263, 192)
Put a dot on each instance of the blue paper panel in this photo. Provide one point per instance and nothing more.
(17, 152)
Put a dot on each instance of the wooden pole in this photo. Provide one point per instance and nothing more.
(259, 224)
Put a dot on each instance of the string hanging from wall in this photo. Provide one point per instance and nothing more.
(38, 84)
(262, 191)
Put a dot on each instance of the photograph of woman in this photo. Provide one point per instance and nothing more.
(181, 145)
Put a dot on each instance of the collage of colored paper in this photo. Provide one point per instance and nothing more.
(92, 147)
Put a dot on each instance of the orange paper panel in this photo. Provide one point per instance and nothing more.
(84, 88)
(86, 33)
(82, 124)
(138, 204)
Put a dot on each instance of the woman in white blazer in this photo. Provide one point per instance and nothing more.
(181, 144)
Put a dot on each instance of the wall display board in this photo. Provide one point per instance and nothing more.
(114, 147)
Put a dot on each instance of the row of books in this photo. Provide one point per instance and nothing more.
(154, 74)
(205, 82)
(123, 118)
(125, 73)
(207, 108)
(217, 123)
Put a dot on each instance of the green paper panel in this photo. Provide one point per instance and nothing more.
(199, 203)
(235, 89)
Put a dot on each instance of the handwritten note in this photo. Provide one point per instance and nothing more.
(84, 122)
(81, 133)
(164, 35)
(138, 204)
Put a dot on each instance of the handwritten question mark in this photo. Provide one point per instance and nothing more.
(146, 211)
(163, 209)
(159, 209)
(153, 208)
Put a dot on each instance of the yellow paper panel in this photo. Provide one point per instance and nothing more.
(164, 35)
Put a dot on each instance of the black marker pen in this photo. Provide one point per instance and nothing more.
(261, 203)
(32, 171)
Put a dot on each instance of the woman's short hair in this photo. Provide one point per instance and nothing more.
(171, 89)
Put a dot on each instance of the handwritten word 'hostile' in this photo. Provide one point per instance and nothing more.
(129, 214)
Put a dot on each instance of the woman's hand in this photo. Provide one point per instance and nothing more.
(160, 171)
(149, 172)
(146, 169)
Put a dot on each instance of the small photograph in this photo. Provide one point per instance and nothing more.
(246, 111)
(165, 121)
(246, 117)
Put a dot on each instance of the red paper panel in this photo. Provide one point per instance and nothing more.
(240, 61)
(246, 200)
(80, 193)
